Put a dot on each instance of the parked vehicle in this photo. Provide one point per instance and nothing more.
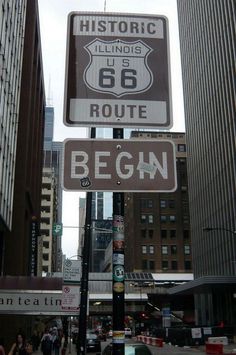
(128, 333)
(93, 343)
(130, 349)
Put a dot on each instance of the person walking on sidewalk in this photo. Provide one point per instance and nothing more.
(56, 341)
(46, 343)
(18, 347)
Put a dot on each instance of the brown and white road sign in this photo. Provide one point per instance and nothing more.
(117, 71)
(119, 165)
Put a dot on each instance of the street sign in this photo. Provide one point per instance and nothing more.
(70, 298)
(119, 165)
(117, 71)
(72, 270)
(57, 229)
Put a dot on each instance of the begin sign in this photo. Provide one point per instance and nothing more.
(119, 165)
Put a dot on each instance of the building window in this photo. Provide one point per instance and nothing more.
(144, 249)
(174, 265)
(150, 233)
(172, 218)
(144, 265)
(46, 245)
(173, 233)
(185, 219)
(187, 265)
(45, 257)
(163, 219)
(151, 249)
(186, 234)
(143, 218)
(163, 233)
(147, 218)
(151, 265)
(164, 264)
(171, 203)
(187, 249)
(181, 147)
(164, 249)
(146, 203)
(150, 218)
(173, 249)
(143, 233)
(163, 203)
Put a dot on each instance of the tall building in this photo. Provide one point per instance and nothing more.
(21, 134)
(49, 243)
(22, 102)
(207, 41)
(10, 71)
(157, 226)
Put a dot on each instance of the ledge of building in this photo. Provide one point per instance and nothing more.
(202, 284)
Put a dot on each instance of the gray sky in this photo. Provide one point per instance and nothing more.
(53, 25)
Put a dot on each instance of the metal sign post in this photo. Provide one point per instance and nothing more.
(117, 75)
(118, 272)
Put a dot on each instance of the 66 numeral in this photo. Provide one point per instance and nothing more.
(127, 79)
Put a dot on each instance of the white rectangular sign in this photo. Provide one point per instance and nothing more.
(72, 270)
(70, 298)
(31, 302)
(117, 71)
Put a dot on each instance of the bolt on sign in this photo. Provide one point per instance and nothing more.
(119, 165)
(117, 71)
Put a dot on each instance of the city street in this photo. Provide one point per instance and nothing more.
(166, 349)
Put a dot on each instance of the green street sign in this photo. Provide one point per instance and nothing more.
(57, 230)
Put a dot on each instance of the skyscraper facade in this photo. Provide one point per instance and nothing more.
(208, 52)
(12, 30)
(22, 102)
(21, 132)
(49, 245)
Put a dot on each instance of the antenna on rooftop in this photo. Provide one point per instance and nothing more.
(105, 4)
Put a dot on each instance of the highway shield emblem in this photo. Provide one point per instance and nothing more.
(118, 67)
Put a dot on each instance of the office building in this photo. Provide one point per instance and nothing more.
(207, 43)
(49, 244)
(22, 102)
(157, 226)
(21, 134)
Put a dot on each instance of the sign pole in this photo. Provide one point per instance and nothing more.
(118, 284)
(81, 345)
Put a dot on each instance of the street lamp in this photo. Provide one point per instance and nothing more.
(209, 229)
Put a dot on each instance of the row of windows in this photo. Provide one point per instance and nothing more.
(172, 233)
(149, 265)
(165, 249)
(164, 203)
(164, 218)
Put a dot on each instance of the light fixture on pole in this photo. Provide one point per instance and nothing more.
(209, 229)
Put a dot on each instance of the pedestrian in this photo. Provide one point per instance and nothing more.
(56, 341)
(29, 347)
(2, 350)
(46, 342)
(35, 339)
(18, 347)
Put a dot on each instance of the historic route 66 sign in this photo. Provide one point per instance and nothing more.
(114, 67)
(117, 71)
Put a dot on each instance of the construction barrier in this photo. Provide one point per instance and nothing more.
(215, 349)
(218, 340)
(150, 341)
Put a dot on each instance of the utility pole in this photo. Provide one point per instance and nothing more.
(118, 284)
(81, 345)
